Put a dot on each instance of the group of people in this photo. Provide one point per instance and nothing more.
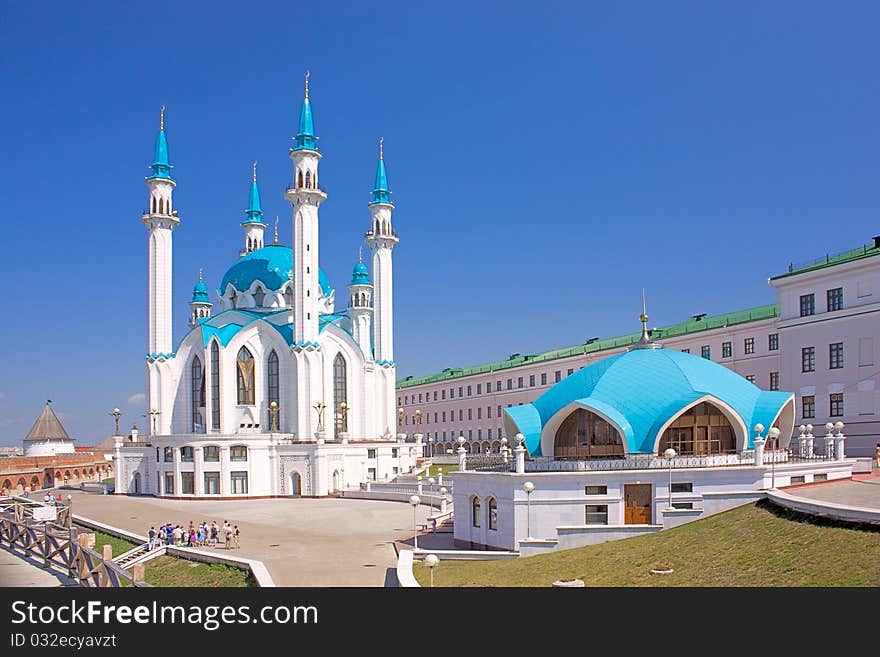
(203, 535)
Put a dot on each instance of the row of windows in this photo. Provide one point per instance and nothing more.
(238, 481)
(835, 357)
(833, 301)
(835, 405)
(468, 391)
(477, 512)
(469, 433)
(748, 347)
(210, 453)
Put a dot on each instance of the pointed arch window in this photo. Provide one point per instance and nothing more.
(476, 512)
(259, 296)
(245, 375)
(233, 299)
(198, 395)
(272, 376)
(584, 434)
(288, 296)
(308, 179)
(701, 430)
(299, 178)
(340, 376)
(215, 385)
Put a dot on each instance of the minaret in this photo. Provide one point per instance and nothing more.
(200, 306)
(360, 306)
(381, 239)
(253, 225)
(305, 196)
(161, 219)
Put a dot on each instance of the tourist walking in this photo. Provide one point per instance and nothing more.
(152, 536)
(235, 534)
(227, 534)
(215, 535)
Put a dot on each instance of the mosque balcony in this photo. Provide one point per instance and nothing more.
(385, 235)
(291, 192)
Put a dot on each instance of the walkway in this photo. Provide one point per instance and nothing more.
(861, 491)
(15, 570)
(302, 542)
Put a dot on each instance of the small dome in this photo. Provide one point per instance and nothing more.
(272, 266)
(200, 293)
(360, 275)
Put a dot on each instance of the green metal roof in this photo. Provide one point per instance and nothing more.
(830, 259)
(675, 330)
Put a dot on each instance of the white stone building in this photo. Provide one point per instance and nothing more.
(272, 392)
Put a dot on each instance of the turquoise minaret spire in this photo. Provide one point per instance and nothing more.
(160, 166)
(381, 193)
(253, 225)
(305, 138)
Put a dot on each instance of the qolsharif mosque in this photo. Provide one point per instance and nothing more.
(273, 391)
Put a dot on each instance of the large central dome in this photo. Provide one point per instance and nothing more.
(272, 266)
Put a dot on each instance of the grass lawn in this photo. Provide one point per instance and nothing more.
(173, 571)
(432, 470)
(754, 545)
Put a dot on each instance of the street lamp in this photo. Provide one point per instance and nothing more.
(528, 487)
(273, 415)
(430, 561)
(116, 415)
(430, 484)
(69, 511)
(773, 434)
(415, 501)
(669, 454)
(343, 417)
(400, 414)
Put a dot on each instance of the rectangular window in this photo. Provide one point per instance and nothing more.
(797, 480)
(443, 394)
(685, 351)
(212, 483)
(544, 378)
(371, 474)
(479, 388)
(596, 514)
(498, 386)
(443, 415)
(479, 412)
(479, 434)
(211, 454)
(808, 359)
(470, 414)
(750, 378)
(460, 414)
(169, 455)
(808, 406)
(186, 454)
(435, 418)
(470, 389)
(682, 505)
(835, 299)
(705, 351)
(371, 453)
(395, 452)
(460, 392)
(749, 345)
(726, 349)
(471, 435)
(595, 490)
(820, 477)
(187, 483)
(773, 342)
(452, 393)
(531, 380)
(420, 398)
(488, 386)
(519, 382)
(808, 304)
(774, 380)
(489, 431)
(499, 410)
(157, 455)
(406, 401)
(488, 411)
(435, 395)
(836, 404)
(866, 351)
(557, 376)
(683, 487)
(169, 483)
(570, 371)
(238, 453)
(510, 384)
(835, 355)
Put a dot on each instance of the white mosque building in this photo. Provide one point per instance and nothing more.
(273, 392)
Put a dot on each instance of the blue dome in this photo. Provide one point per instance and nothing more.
(640, 390)
(272, 266)
(200, 293)
(360, 275)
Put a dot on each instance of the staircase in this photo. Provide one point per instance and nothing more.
(138, 555)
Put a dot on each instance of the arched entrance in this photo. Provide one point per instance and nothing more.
(295, 484)
(584, 434)
(336, 482)
(702, 429)
(136, 483)
(47, 481)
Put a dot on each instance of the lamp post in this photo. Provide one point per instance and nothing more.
(431, 561)
(69, 512)
(116, 415)
(273, 415)
(343, 417)
(430, 485)
(669, 455)
(528, 487)
(415, 501)
(400, 414)
(154, 415)
(773, 435)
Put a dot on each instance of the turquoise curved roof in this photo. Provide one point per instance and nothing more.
(360, 275)
(200, 293)
(381, 193)
(641, 390)
(305, 137)
(255, 211)
(160, 166)
(272, 266)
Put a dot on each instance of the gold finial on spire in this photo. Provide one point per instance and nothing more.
(162, 118)
(381, 139)
(255, 171)
(307, 84)
(276, 229)
(200, 275)
(643, 318)
(644, 342)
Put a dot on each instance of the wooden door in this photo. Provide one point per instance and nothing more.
(637, 499)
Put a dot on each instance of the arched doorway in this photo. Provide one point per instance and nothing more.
(584, 434)
(47, 480)
(701, 430)
(336, 483)
(35, 482)
(136, 483)
(295, 484)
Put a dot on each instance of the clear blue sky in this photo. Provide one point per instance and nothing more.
(548, 160)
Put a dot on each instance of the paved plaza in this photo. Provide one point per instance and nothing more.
(864, 492)
(302, 542)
